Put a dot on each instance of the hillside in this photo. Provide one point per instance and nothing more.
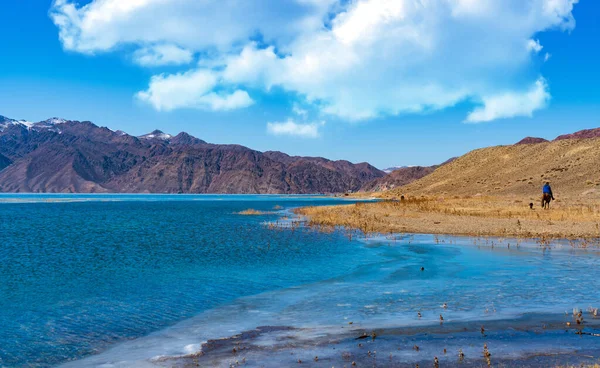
(64, 156)
(571, 165)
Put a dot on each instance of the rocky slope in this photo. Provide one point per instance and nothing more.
(59, 155)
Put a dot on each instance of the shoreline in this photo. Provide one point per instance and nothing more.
(526, 341)
(335, 342)
(467, 216)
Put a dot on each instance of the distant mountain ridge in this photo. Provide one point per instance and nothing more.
(582, 134)
(400, 177)
(531, 140)
(65, 156)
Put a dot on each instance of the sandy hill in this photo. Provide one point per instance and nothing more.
(571, 165)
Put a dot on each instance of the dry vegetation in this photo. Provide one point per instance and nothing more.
(473, 216)
(253, 212)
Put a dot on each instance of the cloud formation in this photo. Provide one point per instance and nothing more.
(193, 89)
(511, 104)
(353, 60)
(534, 45)
(164, 54)
(292, 128)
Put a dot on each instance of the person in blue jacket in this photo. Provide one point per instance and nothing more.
(548, 190)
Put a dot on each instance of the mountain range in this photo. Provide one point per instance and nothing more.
(66, 156)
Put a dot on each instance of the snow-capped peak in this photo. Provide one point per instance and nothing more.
(54, 121)
(393, 168)
(46, 124)
(49, 124)
(28, 124)
(157, 134)
(5, 122)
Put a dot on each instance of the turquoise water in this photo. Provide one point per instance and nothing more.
(80, 273)
(124, 280)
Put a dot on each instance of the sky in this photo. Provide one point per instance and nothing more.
(389, 82)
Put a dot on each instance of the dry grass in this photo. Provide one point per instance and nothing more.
(253, 212)
(475, 216)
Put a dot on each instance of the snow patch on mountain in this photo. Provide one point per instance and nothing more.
(53, 121)
(394, 168)
(6, 122)
(49, 124)
(157, 134)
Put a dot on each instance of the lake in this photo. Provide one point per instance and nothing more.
(130, 280)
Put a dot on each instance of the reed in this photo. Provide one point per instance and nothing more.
(474, 216)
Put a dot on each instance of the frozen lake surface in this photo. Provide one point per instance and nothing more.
(122, 281)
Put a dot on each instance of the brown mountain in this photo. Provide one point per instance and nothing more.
(531, 140)
(582, 134)
(571, 165)
(58, 155)
(4, 162)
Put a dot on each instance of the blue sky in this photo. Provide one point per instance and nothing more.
(345, 80)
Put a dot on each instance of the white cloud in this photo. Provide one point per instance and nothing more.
(547, 57)
(227, 101)
(165, 54)
(291, 128)
(351, 59)
(297, 110)
(103, 25)
(193, 89)
(534, 45)
(512, 104)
